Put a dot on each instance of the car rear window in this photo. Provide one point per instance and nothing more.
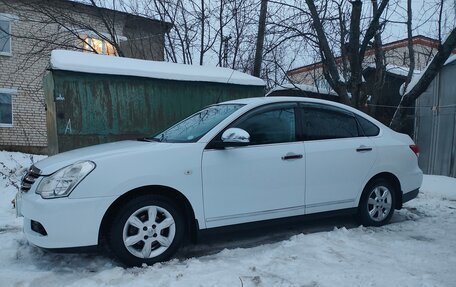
(367, 127)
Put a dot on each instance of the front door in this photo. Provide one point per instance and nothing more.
(263, 180)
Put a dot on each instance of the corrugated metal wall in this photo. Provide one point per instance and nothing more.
(435, 122)
(92, 108)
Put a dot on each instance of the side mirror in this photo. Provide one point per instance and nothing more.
(232, 137)
(236, 135)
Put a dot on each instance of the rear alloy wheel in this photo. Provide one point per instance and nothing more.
(147, 229)
(377, 203)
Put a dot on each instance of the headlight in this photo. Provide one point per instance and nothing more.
(63, 181)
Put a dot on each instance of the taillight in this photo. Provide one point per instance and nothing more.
(415, 149)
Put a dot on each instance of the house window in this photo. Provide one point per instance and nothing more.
(102, 47)
(5, 36)
(6, 107)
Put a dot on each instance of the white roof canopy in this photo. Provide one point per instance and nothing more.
(101, 64)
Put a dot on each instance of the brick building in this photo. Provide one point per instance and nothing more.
(31, 29)
(396, 58)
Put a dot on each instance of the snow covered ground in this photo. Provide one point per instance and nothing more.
(417, 249)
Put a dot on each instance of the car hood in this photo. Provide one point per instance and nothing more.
(53, 163)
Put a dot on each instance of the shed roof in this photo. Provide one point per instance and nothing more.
(417, 77)
(101, 64)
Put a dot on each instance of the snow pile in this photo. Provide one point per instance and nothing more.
(101, 64)
(12, 166)
(417, 249)
(396, 70)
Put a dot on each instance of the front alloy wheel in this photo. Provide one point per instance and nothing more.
(149, 231)
(146, 230)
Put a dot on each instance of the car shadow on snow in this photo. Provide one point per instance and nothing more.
(252, 235)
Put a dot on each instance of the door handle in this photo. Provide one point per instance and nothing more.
(291, 156)
(363, 148)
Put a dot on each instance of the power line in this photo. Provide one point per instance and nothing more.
(395, 107)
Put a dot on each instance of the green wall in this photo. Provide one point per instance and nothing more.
(94, 108)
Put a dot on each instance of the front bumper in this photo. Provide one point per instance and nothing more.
(67, 222)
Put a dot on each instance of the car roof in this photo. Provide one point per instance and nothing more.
(258, 101)
(275, 99)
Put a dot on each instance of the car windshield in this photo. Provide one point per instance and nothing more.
(197, 125)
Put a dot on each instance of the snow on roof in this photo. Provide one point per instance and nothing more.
(396, 70)
(100, 64)
(302, 87)
(415, 79)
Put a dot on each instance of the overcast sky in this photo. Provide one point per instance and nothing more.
(425, 18)
(425, 22)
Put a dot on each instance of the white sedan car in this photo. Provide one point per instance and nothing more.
(231, 163)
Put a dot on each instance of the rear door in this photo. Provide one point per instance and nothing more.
(338, 157)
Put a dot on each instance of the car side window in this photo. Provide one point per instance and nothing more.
(369, 129)
(272, 126)
(320, 123)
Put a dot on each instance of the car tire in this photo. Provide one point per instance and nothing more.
(145, 230)
(377, 203)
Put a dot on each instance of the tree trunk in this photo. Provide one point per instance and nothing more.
(221, 24)
(410, 44)
(380, 69)
(260, 39)
(203, 20)
(353, 49)
(330, 70)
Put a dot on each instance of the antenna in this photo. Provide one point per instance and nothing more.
(232, 72)
(229, 78)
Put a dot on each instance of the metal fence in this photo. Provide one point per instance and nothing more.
(435, 124)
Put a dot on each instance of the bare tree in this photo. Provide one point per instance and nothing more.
(411, 51)
(357, 46)
(380, 66)
(204, 29)
(242, 31)
(338, 27)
